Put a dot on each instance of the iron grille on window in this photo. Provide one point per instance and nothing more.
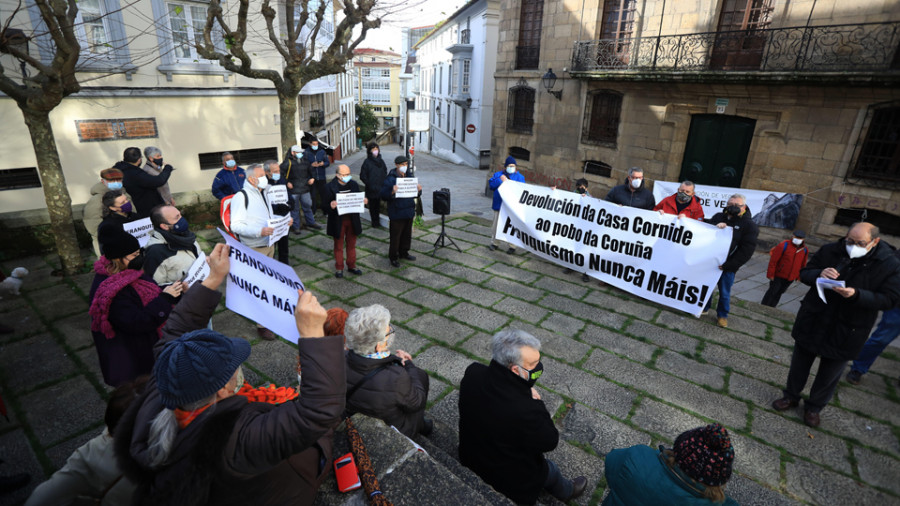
(16, 179)
(520, 114)
(887, 223)
(601, 118)
(520, 154)
(243, 157)
(879, 157)
(316, 118)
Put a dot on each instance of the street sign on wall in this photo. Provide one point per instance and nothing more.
(418, 120)
(470, 128)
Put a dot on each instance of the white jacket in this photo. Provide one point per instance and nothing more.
(250, 216)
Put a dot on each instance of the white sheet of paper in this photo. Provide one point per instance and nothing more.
(407, 187)
(277, 194)
(823, 284)
(281, 226)
(140, 230)
(349, 203)
(198, 271)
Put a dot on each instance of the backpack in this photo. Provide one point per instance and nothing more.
(225, 212)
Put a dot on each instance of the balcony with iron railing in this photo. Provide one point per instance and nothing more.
(863, 52)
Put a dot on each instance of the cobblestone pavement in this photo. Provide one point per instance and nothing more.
(618, 370)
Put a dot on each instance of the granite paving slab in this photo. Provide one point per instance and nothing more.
(878, 469)
(744, 363)
(562, 324)
(763, 349)
(514, 289)
(513, 273)
(462, 272)
(522, 310)
(616, 343)
(877, 407)
(344, 288)
(429, 299)
(685, 368)
(662, 337)
(33, 361)
(811, 483)
(480, 345)
(407, 341)
(474, 294)
(440, 328)
(446, 363)
(750, 493)
(76, 331)
(384, 283)
(19, 457)
(586, 426)
(557, 286)
(427, 278)
(664, 420)
(625, 306)
(595, 392)
(24, 321)
(573, 461)
(865, 430)
(277, 360)
(572, 307)
(400, 311)
(801, 440)
(753, 390)
(479, 317)
(75, 397)
(756, 460)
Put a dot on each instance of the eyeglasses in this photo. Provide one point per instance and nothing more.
(851, 242)
(390, 331)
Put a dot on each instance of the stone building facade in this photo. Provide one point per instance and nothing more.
(798, 97)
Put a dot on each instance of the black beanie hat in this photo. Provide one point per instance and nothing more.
(705, 454)
(116, 242)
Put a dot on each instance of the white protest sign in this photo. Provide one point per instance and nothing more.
(262, 289)
(407, 187)
(277, 194)
(769, 209)
(281, 226)
(349, 203)
(198, 271)
(660, 258)
(140, 230)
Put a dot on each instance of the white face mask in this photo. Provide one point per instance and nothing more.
(402, 169)
(510, 169)
(240, 379)
(636, 183)
(856, 251)
(262, 182)
(374, 152)
(797, 242)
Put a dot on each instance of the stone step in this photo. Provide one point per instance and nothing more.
(406, 474)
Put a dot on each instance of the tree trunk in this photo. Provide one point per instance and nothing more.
(56, 193)
(287, 107)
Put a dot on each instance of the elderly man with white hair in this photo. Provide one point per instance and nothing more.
(154, 167)
(504, 426)
(743, 242)
(380, 384)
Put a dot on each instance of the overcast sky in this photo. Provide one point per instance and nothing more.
(427, 12)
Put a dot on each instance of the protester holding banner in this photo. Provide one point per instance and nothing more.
(344, 228)
(684, 203)
(743, 243)
(834, 325)
(786, 260)
(172, 248)
(632, 193)
(250, 215)
(127, 308)
(273, 174)
(208, 445)
(117, 211)
(381, 384)
(401, 212)
(508, 173)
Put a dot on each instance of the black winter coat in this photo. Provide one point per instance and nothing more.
(839, 329)
(372, 174)
(333, 228)
(143, 187)
(297, 172)
(641, 198)
(743, 238)
(504, 432)
(397, 394)
(398, 208)
(238, 452)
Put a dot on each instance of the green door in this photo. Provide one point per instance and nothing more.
(716, 149)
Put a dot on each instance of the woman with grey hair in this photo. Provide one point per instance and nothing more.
(380, 384)
(154, 167)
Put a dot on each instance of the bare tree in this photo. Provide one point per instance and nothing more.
(302, 62)
(36, 97)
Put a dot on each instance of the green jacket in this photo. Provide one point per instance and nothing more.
(639, 476)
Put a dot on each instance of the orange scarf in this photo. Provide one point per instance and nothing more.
(269, 394)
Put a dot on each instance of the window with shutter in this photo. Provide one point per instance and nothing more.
(529, 48)
(601, 118)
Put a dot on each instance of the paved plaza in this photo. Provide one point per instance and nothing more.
(619, 370)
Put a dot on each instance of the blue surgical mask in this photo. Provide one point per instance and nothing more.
(314, 147)
(114, 185)
(510, 169)
(230, 164)
(346, 179)
(276, 176)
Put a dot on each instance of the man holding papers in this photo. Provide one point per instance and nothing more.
(401, 211)
(343, 221)
(835, 329)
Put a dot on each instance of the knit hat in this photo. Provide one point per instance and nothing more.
(705, 454)
(196, 365)
(509, 161)
(111, 174)
(799, 234)
(401, 159)
(116, 242)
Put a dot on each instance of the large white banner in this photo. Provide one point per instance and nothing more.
(262, 289)
(769, 209)
(660, 258)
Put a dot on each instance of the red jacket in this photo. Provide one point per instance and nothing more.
(693, 210)
(787, 260)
